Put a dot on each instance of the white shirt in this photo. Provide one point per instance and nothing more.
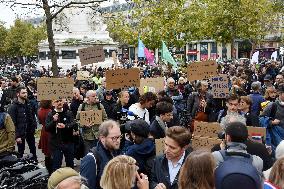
(141, 113)
(174, 169)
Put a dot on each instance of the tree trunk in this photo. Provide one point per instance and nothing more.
(50, 38)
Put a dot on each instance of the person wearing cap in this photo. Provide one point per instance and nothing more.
(268, 82)
(166, 167)
(64, 178)
(90, 132)
(236, 134)
(143, 148)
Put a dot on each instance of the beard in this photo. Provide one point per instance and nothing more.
(111, 146)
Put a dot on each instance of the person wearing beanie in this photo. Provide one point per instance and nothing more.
(143, 148)
(236, 134)
(65, 178)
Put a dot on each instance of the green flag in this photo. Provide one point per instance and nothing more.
(166, 55)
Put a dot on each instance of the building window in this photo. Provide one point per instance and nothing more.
(42, 55)
(68, 54)
(49, 56)
(203, 51)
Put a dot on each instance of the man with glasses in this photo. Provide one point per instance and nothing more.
(92, 165)
(90, 132)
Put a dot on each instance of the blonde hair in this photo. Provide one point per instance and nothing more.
(119, 173)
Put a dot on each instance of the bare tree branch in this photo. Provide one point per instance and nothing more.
(73, 3)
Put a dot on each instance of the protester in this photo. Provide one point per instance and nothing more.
(61, 125)
(23, 116)
(64, 178)
(197, 171)
(166, 167)
(164, 114)
(140, 109)
(245, 110)
(143, 149)
(92, 165)
(108, 102)
(45, 108)
(90, 132)
(121, 172)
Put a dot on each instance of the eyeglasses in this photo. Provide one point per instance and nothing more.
(115, 138)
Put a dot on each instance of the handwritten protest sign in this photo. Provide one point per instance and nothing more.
(91, 117)
(220, 86)
(204, 142)
(201, 70)
(54, 88)
(159, 143)
(83, 75)
(92, 55)
(122, 78)
(151, 85)
(206, 129)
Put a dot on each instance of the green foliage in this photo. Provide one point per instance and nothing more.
(22, 39)
(3, 35)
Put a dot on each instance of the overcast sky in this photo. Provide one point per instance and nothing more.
(8, 16)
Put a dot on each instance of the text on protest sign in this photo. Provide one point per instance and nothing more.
(207, 129)
(151, 85)
(92, 55)
(83, 75)
(220, 86)
(122, 78)
(54, 88)
(204, 142)
(91, 117)
(201, 70)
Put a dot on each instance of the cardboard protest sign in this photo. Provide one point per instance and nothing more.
(91, 117)
(220, 86)
(83, 75)
(151, 85)
(206, 129)
(201, 70)
(54, 88)
(122, 78)
(204, 142)
(92, 55)
(256, 131)
(159, 143)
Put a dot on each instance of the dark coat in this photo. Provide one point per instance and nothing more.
(109, 107)
(64, 135)
(88, 168)
(160, 172)
(23, 116)
(193, 106)
(156, 130)
(142, 152)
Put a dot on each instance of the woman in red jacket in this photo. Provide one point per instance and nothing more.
(45, 108)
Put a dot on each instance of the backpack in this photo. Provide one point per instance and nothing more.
(264, 120)
(237, 172)
(94, 153)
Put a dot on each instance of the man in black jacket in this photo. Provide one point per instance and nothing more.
(166, 167)
(61, 125)
(23, 116)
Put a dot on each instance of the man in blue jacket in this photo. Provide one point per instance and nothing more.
(92, 165)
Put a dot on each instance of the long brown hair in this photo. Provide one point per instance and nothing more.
(198, 171)
(276, 175)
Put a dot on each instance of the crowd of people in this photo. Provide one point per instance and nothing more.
(121, 151)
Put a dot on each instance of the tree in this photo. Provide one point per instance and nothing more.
(153, 21)
(228, 20)
(51, 9)
(3, 34)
